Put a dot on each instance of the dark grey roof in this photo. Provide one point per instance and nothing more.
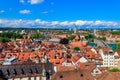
(23, 70)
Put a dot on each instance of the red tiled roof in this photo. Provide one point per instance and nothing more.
(89, 47)
(57, 62)
(24, 56)
(118, 53)
(81, 65)
(89, 54)
(109, 76)
(77, 37)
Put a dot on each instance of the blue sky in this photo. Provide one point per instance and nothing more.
(60, 10)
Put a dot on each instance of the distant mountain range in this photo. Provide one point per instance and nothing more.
(79, 24)
(71, 27)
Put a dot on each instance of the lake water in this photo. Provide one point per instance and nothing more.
(113, 46)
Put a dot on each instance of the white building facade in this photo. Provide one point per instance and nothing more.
(108, 57)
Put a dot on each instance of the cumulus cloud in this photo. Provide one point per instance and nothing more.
(105, 23)
(80, 22)
(35, 1)
(38, 20)
(32, 2)
(22, 1)
(38, 23)
(2, 11)
(65, 23)
(53, 23)
(24, 11)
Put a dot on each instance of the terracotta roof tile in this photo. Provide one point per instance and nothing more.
(24, 56)
(73, 75)
(77, 37)
(109, 76)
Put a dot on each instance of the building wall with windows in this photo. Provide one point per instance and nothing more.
(108, 57)
(30, 71)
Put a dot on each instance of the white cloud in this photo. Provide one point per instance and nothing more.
(105, 23)
(22, 1)
(24, 11)
(35, 1)
(65, 23)
(1, 21)
(53, 23)
(2, 11)
(80, 22)
(38, 23)
(45, 12)
(38, 20)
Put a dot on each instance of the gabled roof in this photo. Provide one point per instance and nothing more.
(73, 75)
(109, 76)
(82, 60)
(77, 37)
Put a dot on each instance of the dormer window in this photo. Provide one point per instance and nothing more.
(22, 71)
(81, 75)
(8, 72)
(110, 51)
(97, 72)
(88, 55)
(61, 76)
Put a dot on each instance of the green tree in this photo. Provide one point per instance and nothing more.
(70, 37)
(76, 49)
(118, 45)
(90, 37)
(115, 32)
(37, 36)
(101, 38)
(114, 70)
(11, 35)
(64, 41)
(3, 40)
